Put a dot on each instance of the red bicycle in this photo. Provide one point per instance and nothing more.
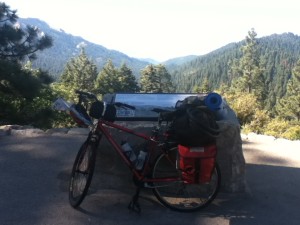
(161, 172)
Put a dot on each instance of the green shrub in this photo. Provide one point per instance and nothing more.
(244, 104)
(283, 129)
(276, 127)
(259, 121)
(292, 133)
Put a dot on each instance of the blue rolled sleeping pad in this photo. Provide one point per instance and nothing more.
(221, 109)
(213, 101)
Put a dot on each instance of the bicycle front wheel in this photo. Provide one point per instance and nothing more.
(82, 173)
(178, 195)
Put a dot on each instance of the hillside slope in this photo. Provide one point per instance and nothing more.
(66, 46)
(278, 52)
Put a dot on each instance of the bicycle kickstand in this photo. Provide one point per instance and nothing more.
(134, 204)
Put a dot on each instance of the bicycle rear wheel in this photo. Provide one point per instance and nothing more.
(178, 195)
(82, 173)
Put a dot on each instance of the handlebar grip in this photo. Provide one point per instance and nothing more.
(86, 94)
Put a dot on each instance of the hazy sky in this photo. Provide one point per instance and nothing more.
(164, 29)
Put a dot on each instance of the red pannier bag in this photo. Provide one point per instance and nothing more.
(197, 163)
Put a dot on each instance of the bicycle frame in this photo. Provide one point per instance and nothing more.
(140, 175)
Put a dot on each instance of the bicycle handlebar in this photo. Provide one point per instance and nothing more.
(83, 94)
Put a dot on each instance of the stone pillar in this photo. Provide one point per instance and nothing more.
(230, 158)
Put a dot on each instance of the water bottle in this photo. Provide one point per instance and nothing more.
(128, 151)
(141, 160)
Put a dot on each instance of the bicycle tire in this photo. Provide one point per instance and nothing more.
(178, 195)
(82, 173)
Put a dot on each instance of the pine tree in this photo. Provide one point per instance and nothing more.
(165, 80)
(113, 80)
(127, 80)
(156, 79)
(19, 87)
(251, 78)
(16, 42)
(149, 80)
(289, 105)
(108, 79)
(80, 74)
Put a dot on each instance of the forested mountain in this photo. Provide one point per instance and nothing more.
(279, 54)
(172, 64)
(66, 46)
(213, 66)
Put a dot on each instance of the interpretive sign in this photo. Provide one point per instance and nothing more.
(144, 103)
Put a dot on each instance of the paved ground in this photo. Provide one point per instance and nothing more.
(34, 178)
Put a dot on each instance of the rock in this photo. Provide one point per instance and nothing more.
(20, 130)
(10, 127)
(231, 158)
(6, 129)
(31, 132)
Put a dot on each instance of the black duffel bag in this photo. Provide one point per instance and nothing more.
(194, 125)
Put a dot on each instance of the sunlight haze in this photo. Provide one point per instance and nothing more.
(163, 29)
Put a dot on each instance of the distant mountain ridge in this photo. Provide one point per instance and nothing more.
(65, 46)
